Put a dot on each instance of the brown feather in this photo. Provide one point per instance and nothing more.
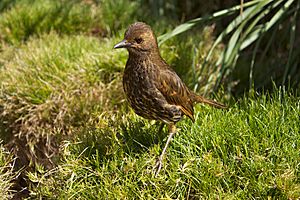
(199, 99)
(152, 88)
(175, 91)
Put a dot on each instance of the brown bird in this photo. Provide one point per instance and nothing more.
(152, 87)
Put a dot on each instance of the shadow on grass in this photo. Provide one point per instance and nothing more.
(118, 140)
(138, 137)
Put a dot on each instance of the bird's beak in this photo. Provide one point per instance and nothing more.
(123, 44)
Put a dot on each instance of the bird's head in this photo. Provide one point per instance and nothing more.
(139, 39)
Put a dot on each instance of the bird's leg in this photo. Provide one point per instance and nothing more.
(172, 131)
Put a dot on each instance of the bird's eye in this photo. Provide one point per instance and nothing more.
(138, 40)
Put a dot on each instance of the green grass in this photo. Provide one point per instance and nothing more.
(49, 86)
(6, 172)
(69, 133)
(35, 17)
(25, 18)
(247, 152)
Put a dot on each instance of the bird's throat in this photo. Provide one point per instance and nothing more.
(140, 56)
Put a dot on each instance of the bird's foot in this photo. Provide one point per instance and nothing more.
(158, 166)
(159, 163)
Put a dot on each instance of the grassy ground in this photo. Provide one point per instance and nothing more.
(6, 173)
(66, 129)
(247, 152)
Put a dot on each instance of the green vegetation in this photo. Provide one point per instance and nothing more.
(249, 151)
(50, 85)
(34, 17)
(259, 26)
(6, 173)
(67, 131)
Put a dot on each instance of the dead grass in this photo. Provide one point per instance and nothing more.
(49, 88)
(6, 173)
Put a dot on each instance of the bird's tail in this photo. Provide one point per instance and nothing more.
(199, 99)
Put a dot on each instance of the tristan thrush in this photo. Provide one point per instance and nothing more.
(152, 87)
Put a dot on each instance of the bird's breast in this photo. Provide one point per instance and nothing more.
(139, 87)
(138, 75)
(139, 83)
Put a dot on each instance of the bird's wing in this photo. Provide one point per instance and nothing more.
(175, 91)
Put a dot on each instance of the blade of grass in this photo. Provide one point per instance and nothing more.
(248, 13)
(251, 83)
(235, 47)
(253, 36)
(230, 55)
(235, 23)
(270, 42)
(292, 42)
(189, 24)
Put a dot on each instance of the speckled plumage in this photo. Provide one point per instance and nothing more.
(153, 89)
(143, 83)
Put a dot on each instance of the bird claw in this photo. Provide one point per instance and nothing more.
(158, 166)
(159, 163)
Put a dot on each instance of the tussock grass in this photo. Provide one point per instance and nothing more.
(50, 85)
(249, 151)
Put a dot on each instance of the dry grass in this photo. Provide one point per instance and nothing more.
(6, 173)
(50, 86)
